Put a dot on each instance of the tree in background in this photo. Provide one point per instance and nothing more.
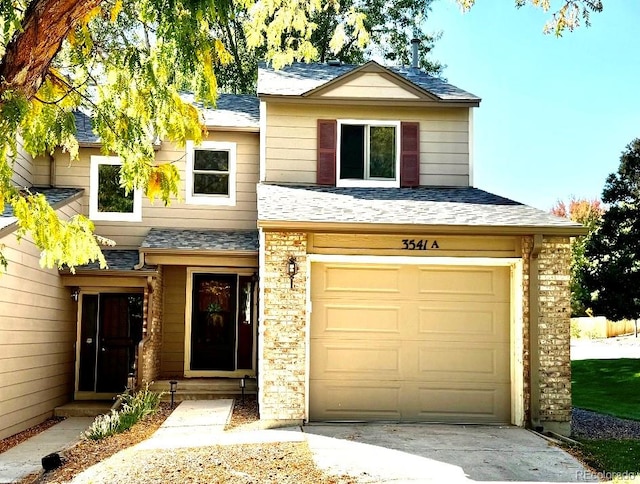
(588, 213)
(612, 275)
(126, 61)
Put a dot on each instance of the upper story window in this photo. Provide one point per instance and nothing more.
(359, 153)
(211, 173)
(368, 153)
(107, 199)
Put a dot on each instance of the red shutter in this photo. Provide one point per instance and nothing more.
(409, 154)
(327, 138)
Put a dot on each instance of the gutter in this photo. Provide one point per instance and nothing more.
(534, 316)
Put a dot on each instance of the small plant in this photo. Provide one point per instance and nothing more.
(134, 408)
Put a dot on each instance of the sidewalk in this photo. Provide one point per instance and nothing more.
(25, 458)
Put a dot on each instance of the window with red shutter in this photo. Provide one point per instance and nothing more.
(409, 154)
(327, 139)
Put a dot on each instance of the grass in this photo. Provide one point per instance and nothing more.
(611, 387)
(607, 386)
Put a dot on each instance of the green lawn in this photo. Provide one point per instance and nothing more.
(611, 387)
(607, 386)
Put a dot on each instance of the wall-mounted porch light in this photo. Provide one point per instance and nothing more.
(292, 268)
(173, 387)
(75, 294)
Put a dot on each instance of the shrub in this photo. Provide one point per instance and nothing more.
(134, 408)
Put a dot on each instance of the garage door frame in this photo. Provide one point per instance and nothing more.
(515, 320)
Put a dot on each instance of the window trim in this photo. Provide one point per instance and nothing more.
(94, 213)
(354, 182)
(202, 199)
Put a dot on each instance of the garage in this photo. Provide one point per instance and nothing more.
(410, 342)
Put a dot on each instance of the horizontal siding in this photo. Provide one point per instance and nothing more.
(22, 168)
(369, 85)
(178, 214)
(172, 355)
(291, 140)
(37, 336)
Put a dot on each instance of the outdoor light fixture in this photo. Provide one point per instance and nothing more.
(243, 385)
(75, 294)
(173, 387)
(292, 268)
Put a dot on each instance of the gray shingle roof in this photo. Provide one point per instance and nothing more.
(222, 240)
(300, 78)
(117, 260)
(466, 207)
(231, 111)
(54, 196)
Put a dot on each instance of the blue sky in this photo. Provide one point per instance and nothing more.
(556, 112)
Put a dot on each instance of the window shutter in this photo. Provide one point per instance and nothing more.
(327, 139)
(409, 154)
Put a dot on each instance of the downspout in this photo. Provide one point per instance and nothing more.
(52, 171)
(140, 263)
(534, 317)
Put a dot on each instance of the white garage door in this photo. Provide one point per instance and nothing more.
(410, 343)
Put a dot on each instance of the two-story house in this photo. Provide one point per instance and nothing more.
(328, 241)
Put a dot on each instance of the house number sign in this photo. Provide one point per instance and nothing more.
(419, 244)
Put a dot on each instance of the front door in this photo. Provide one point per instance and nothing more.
(110, 329)
(220, 327)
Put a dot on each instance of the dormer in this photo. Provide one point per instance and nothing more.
(363, 126)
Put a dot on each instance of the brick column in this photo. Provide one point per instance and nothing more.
(554, 334)
(282, 339)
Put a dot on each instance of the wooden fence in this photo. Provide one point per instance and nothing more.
(600, 327)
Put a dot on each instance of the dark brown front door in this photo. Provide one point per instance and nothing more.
(111, 329)
(222, 322)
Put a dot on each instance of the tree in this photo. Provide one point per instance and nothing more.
(127, 61)
(588, 213)
(612, 275)
(567, 16)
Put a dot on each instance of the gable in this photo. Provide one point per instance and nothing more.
(369, 85)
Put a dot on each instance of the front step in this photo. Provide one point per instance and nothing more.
(84, 408)
(204, 388)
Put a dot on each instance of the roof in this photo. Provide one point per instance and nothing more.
(231, 111)
(300, 78)
(454, 207)
(214, 240)
(117, 260)
(55, 197)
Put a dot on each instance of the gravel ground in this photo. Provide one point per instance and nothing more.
(592, 425)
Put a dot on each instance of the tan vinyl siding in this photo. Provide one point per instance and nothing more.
(178, 214)
(369, 85)
(37, 336)
(22, 168)
(291, 140)
(172, 354)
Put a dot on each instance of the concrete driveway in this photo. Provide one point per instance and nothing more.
(440, 453)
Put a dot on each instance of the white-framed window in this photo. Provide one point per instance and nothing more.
(107, 199)
(211, 173)
(368, 153)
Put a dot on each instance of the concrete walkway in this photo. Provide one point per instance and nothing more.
(368, 452)
(25, 458)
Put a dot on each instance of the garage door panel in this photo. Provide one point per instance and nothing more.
(479, 363)
(464, 284)
(431, 345)
(354, 360)
(338, 279)
(345, 319)
(355, 401)
(470, 403)
(474, 321)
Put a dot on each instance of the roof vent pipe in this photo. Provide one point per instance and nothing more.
(415, 59)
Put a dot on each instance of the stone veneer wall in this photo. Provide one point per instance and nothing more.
(282, 345)
(152, 329)
(554, 333)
